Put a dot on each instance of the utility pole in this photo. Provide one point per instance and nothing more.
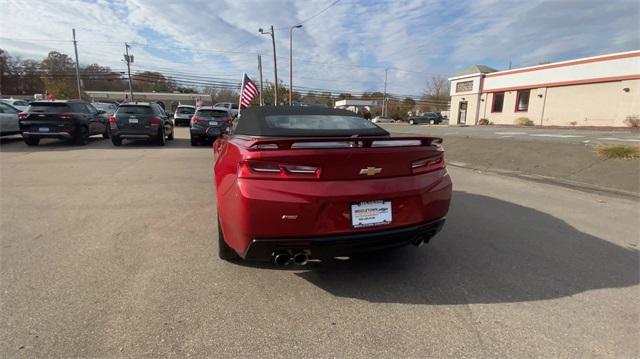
(75, 47)
(260, 71)
(275, 64)
(384, 98)
(129, 60)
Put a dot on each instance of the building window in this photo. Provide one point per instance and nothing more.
(498, 101)
(522, 101)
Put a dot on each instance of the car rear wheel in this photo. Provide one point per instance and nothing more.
(162, 139)
(82, 137)
(224, 251)
(106, 133)
(170, 137)
(31, 141)
(432, 122)
(412, 122)
(117, 141)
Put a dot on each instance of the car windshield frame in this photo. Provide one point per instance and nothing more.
(60, 107)
(122, 110)
(190, 109)
(270, 121)
(216, 113)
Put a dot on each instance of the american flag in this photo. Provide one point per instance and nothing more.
(249, 92)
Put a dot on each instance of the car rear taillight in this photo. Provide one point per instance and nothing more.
(228, 120)
(272, 170)
(67, 116)
(196, 119)
(428, 165)
(112, 120)
(156, 121)
(22, 116)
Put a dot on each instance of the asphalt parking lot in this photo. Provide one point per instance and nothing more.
(620, 136)
(111, 252)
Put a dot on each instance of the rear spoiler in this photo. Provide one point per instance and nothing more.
(267, 143)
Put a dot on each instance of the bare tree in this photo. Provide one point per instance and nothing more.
(436, 95)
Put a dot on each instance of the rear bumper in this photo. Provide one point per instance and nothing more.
(64, 135)
(332, 246)
(199, 132)
(253, 210)
(181, 121)
(133, 134)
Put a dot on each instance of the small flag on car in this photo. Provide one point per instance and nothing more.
(248, 92)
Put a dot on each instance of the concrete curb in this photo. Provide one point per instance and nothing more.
(581, 186)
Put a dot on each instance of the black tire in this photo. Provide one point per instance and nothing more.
(194, 142)
(117, 141)
(162, 139)
(106, 133)
(31, 141)
(82, 137)
(224, 251)
(170, 137)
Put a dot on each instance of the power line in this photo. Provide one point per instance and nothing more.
(313, 16)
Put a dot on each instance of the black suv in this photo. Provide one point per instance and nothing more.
(72, 120)
(208, 123)
(432, 118)
(140, 120)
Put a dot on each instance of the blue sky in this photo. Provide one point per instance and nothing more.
(346, 47)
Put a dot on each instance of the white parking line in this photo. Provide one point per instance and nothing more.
(556, 136)
(619, 139)
(510, 133)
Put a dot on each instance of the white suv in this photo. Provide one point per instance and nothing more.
(232, 107)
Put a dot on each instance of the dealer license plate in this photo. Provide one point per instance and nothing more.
(372, 213)
(43, 129)
(213, 123)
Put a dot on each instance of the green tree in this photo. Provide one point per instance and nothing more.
(59, 75)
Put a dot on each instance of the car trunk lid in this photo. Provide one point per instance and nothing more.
(347, 158)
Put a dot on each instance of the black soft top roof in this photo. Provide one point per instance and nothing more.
(252, 122)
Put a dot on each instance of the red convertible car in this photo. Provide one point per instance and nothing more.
(294, 183)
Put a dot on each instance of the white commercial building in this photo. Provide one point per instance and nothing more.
(595, 91)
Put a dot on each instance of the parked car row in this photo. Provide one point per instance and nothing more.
(76, 121)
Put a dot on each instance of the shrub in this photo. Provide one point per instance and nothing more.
(573, 123)
(618, 151)
(483, 122)
(632, 121)
(524, 121)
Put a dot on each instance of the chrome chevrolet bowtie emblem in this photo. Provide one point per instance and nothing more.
(370, 171)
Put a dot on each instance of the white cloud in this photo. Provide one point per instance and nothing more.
(413, 38)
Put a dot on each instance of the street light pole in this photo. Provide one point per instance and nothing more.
(275, 64)
(384, 99)
(291, 62)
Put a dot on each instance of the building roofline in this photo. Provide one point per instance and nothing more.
(584, 60)
(465, 76)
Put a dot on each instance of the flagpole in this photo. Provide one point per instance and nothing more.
(260, 70)
(241, 91)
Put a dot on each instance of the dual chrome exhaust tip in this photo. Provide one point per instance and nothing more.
(284, 258)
